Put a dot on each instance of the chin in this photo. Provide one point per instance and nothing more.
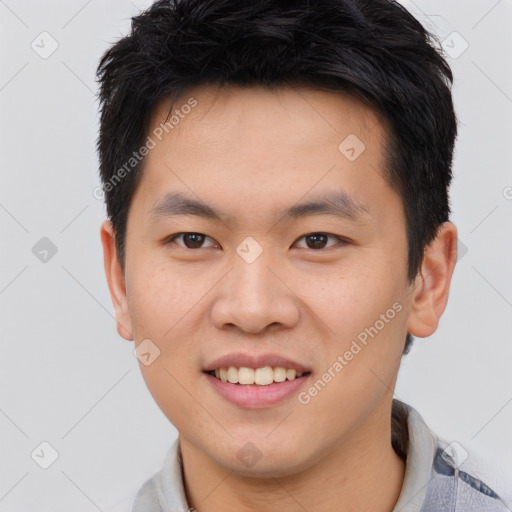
(264, 459)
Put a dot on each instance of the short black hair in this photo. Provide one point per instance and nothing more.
(374, 50)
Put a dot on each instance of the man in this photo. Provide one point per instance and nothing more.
(276, 177)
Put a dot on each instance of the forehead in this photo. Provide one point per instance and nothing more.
(316, 114)
(268, 125)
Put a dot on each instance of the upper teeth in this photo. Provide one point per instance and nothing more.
(261, 376)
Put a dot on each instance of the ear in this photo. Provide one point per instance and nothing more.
(432, 284)
(115, 280)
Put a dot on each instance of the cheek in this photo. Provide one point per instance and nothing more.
(362, 359)
(159, 299)
(162, 307)
(363, 317)
(349, 298)
(167, 306)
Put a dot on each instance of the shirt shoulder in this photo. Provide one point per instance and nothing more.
(147, 499)
(453, 489)
(164, 491)
(438, 475)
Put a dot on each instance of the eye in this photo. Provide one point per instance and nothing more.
(191, 240)
(320, 240)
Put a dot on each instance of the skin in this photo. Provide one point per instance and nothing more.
(251, 153)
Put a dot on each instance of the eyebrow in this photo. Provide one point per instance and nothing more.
(338, 204)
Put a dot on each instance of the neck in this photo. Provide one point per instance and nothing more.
(361, 473)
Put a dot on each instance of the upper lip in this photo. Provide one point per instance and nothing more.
(255, 361)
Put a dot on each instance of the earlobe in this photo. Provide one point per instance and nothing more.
(432, 284)
(115, 280)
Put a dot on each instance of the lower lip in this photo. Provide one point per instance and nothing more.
(253, 396)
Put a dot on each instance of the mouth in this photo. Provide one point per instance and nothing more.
(263, 376)
(256, 381)
(256, 388)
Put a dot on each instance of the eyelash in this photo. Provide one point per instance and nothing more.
(341, 241)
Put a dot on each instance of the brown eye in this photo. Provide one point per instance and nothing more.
(191, 240)
(319, 240)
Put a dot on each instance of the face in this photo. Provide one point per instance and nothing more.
(263, 233)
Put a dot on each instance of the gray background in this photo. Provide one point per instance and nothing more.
(68, 379)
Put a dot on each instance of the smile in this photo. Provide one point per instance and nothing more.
(260, 376)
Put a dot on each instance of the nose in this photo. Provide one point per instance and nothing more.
(254, 297)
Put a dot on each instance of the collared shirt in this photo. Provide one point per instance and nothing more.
(436, 478)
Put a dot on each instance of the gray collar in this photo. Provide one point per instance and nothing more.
(420, 456)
